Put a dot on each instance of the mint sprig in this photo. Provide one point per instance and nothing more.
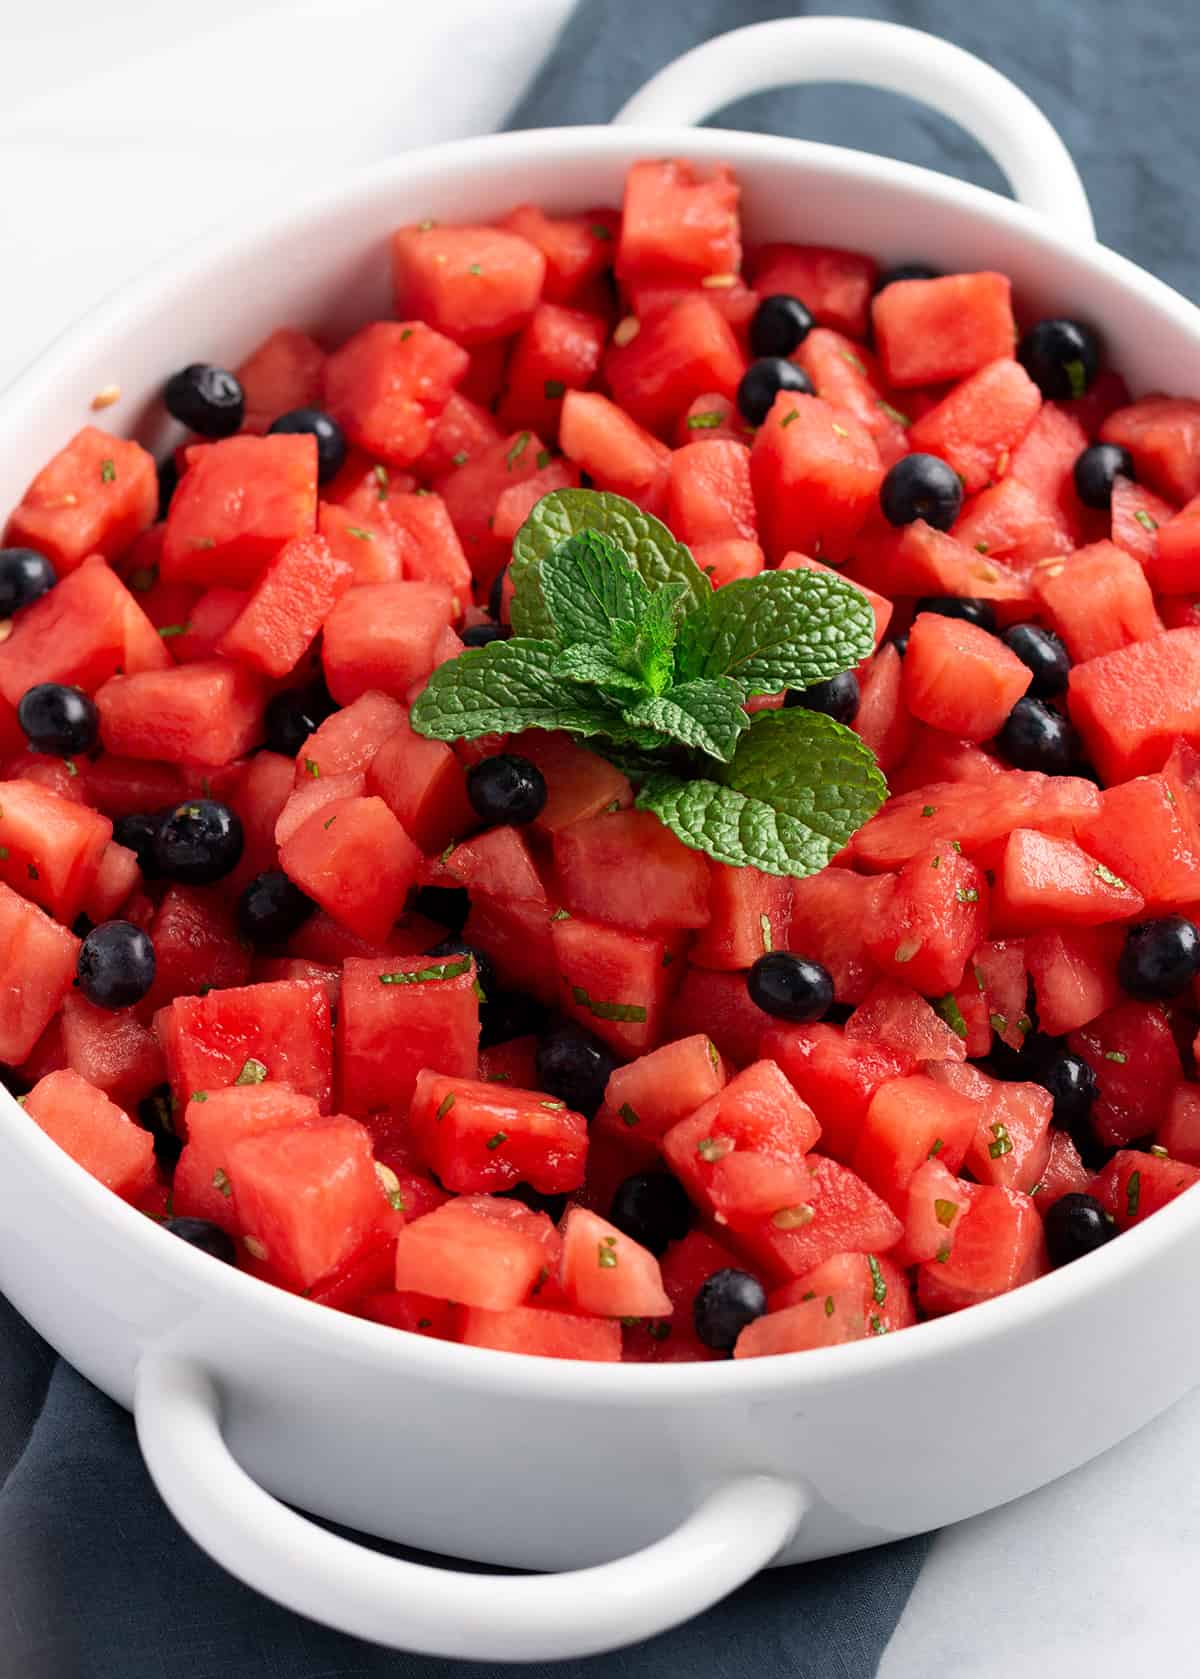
(621, 638)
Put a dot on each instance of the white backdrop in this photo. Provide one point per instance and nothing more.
(130, 127)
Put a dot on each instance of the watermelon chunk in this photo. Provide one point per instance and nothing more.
(96, 1133)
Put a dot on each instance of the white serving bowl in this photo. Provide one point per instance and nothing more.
(245, 1395)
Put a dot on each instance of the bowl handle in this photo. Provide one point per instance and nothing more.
(736, 1530)
(1005, 121)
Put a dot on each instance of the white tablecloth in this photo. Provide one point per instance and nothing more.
(127, 129)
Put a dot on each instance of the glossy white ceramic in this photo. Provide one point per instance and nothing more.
(653, 1490)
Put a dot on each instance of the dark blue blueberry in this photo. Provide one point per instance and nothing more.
(838, 697)
(762, 382)
(725, 1303)
(1043, 653)
(58, 719)
(272, 908)
(653, 1208)
(921, 487)
(575, 1066)
(1096, 471)
(505, 789)
(966, 607)
(1160, 958)
(1061, 357)
(209, 400)
(779, 325)
(790, 987)
(200, 840)
(24, 575)
(1036, 738)
(482, 635)
(1075, 1225)
(115, 967)
(904, 271)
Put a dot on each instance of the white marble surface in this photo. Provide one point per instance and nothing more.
(128, 128)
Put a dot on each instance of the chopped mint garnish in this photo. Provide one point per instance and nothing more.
(603, 1010)
(418, 976)
(444, 1106)
(709, 420)
(108, 472)
(553, 389)
(253, 1072)
(944, 1212)
(878, 1285)
(1109, 878)
(1133, 1193)
(950, 1012)
(1146, 520)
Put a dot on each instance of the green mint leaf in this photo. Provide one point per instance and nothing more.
(798, 787)
(647, 647)
(781, 629)
(705, 715)
(587, 582)
(505, 687)
(598, 667)
(561, 514)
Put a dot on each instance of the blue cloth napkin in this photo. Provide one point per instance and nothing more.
(96, 1579)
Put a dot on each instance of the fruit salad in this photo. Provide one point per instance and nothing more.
(646, 806)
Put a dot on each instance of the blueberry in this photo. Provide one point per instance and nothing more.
(200, 841)
(653, 1208)
(538, 1201)
(762, 382)
(482, 635)
(779, 325)
(1160, 958)
(450, 905)
(510, 1014)
(789, 986)
(496, 594)
(1061, 357)
(292, 715)
(138, 833)
(24, 575)
(838, 697)
(115, 968)
(331, 439)
(1043, 653)
(575, 1066)
(966, 607)
(484, 971)
(725, 1303)
(58, 719)
(904, 271)
(272, 908)
(1072, 1084)
(1036, 738)
(209, 1238)
(154, 1114)
(921, 487)
(207, 399)
(1097, 469)
(1075, 1225)
(168, 483)
(506, 788)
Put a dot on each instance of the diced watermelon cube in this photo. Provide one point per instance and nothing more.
(44, 955)
(283, 373)
(922, 931)
(816, 473)
(998, 1246)
(836, 1076)
(909, 1121)
(1162, 434)
(576, 248)
(932, 330)
(213, 1120)
(559, 350)
(541, 1334)
(237, 504)
(957, 677)
(474, 1250)
(1131, 705)
(215, 1040)
(980, 422)
(398, 1015)
(1044, 881)
(112, 1049)
(668, 889)
(94, 497)
(1074, 973)
(482, 1136)
(1097, 599)
(606, 1273)
(205, 714)
(294, 598)
(718, 1005)
(1134, 1185)
(750, 913)
(657, 1090)
(79, 633)
(96, 1133)
(1132, 1051)
(897, 1017)
(472, 283)
(710, 497)
(306, 1196)
(847, 1217)
(387, 385)
(356, 860)
(676, 226)
(673, 359)
(50, 847)
(834, 284)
